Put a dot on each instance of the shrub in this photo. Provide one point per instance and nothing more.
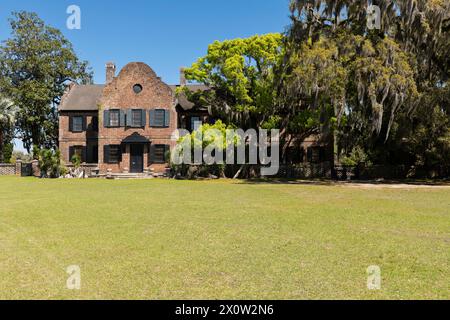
(356, 157)
(76, 160)
(49, 163)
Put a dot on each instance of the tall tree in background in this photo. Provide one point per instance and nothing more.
(240, 74)
(389, 73)
(245, 80)
(36, 64)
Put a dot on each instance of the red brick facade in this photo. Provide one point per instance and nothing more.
(87, 138)
(119, 94)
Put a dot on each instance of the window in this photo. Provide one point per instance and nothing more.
(159, 118)
(112, 154)
(196, 123)
(77, 123)
(159, 155)
(77, 150)
(136, 118)
(316, 154)
(137, 88)
(114, 118)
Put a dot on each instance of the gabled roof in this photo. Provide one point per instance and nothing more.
(81, 98)
(85, 97)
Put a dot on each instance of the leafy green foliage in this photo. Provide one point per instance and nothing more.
(20, 155)
(7, 119)
(36, 64)
(217, 136)
(76, 160)
(391, 84)
(240, 73)
(49, 163)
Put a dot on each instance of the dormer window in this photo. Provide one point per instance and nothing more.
(137, 88)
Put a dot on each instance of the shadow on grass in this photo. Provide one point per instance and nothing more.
(329, 182)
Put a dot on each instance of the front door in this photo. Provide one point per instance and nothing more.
(136, 158)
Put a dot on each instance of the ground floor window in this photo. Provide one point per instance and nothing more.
(159, 153)
(316, 154)
(77, 151)
(112, 154)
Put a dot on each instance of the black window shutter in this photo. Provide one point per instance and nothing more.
(83, 154)
(167, 118)
(106, 154)
(152, 153)
(71, 152)
(95, 123)
(84, 123)
(166, 153)
(144, 118)
(122, 118)
(71, 124)
(106, 118)
(129, 118)
(152, 118)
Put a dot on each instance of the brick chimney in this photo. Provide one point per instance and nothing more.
(182, 77)
(110, 72)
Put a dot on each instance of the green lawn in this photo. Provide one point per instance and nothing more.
(159, 239)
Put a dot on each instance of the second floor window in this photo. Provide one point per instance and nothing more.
(160, 118)
(114, 118)
(76, 123)
(136, 118)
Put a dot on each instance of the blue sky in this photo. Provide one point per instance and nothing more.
(165, 34)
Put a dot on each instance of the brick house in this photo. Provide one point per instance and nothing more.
(126, 124)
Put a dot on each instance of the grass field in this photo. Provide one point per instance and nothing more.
(158, 239)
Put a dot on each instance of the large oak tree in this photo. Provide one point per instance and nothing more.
(36, 64)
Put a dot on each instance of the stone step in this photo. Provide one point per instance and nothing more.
(129, 176)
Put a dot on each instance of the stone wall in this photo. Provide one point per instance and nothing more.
(7, 169)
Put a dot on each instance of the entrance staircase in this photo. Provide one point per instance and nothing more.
(125, 176)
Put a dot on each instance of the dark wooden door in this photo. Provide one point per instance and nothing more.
(136, 158)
